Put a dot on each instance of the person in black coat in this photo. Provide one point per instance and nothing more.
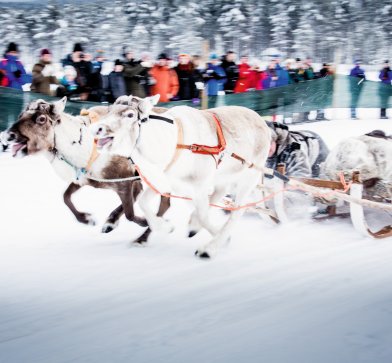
(83, 66)
(96, 80)
(185, 73)
(231, 69)
(134, 74)
(117, 84)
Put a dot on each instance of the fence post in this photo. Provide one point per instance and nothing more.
(205, 51)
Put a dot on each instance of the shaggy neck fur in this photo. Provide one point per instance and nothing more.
(156, 143)
(73, 140)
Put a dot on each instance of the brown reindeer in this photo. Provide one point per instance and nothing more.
(69, 146)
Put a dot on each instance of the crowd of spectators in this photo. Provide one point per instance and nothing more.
(182, 78)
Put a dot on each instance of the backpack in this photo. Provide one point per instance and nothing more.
(3, 77)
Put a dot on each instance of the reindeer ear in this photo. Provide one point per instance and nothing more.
(59, 106)
(154, 99)
(122, 100)
(145, 105)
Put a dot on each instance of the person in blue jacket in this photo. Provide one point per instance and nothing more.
(14, 73)
(214, 76)
(358, 77)
(385, 77)
(276, 76)
(283, 75)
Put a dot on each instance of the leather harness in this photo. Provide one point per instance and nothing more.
(208, 150)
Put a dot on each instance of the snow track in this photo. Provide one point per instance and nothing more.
(302, 292)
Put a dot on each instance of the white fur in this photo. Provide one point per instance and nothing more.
(192, 174)
(370, 156)
(68, 133)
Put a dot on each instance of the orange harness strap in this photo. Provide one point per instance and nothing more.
(94, 117)
(208, 150)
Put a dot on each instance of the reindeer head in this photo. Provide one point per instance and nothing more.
(118, 131)
(34, 130)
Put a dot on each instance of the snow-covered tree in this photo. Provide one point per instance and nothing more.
(318, 28)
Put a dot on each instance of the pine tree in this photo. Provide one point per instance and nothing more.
(295, 28)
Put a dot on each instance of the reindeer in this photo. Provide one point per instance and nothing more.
(370, 154)
(67, 143)
(152, 142)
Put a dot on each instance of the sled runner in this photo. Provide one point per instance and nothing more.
(331, 193)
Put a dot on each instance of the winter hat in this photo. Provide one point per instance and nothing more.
(12, 47)
(126, 49)
(117, 62)
(163, 56)
(213, 56)
(358, 61)
(386, 61)
(45, 51)
(279, 132)
(78, 47)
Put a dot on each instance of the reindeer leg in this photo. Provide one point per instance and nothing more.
(113, 219)
(163, 207)
(242, 191)
(128, 198)
(84, 218)
(156, 222)
(195, 225)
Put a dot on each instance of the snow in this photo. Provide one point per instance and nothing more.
(300, 292)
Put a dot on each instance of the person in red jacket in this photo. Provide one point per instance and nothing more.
(258, 75)
(245, 78)
(165, 78)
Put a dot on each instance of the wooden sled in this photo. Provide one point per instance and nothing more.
(330, 192)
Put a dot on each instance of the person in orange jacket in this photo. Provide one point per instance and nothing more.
(165, 79)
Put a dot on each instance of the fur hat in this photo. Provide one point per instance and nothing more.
(77, 47)
(12, 47)
(45, 51)
(279, 132)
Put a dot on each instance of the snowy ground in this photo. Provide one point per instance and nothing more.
(302, 292)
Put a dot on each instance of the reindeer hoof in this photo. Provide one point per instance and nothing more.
(108, 227)
(202, 254)
(165, 226)
(142, 222)
(139, 242)
(87, 218)
(192, 233)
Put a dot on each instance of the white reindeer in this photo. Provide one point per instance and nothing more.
(152, 145)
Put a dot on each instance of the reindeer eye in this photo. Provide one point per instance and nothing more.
(129, 114)
(41, 119)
